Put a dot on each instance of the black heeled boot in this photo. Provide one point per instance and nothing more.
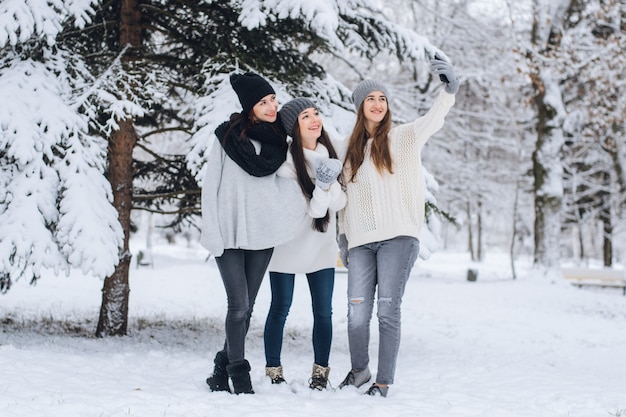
(219, 380)
(239, 373)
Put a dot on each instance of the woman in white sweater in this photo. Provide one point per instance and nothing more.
(312, 160)
(382, 220)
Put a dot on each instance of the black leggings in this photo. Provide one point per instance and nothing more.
(242, 272)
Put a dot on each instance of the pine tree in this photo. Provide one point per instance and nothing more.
(55, 210)
(136, 70)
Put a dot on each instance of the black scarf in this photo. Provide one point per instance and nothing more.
(241, 150)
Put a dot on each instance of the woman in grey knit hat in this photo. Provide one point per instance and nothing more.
(312, 161)
(380, 224)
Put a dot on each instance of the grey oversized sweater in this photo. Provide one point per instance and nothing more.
(240, 211)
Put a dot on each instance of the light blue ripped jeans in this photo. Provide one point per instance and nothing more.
(385, 264)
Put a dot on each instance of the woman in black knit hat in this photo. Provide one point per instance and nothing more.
(246, 211)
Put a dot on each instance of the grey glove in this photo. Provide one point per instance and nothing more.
(326, 172)
(446, 74)
(343, 249)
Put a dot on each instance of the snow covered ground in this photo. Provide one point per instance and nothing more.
(490, 348)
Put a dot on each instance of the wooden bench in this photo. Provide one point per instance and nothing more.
(603, 278)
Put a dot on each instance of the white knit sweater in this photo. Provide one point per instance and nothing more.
(310, 250)
(384, 206)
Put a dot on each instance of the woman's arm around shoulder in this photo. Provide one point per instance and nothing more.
(341, 147)
(287, 169)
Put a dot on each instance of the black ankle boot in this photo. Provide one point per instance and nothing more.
(239, 373)
(219, 380)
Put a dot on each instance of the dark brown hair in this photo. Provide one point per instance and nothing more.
(246, 122)
(305, 182)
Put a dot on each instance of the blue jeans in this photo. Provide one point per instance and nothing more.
(321, 284)
(242, 272)
(385, 264)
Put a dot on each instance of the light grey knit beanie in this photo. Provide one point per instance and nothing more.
(365, 87)
(291, 110)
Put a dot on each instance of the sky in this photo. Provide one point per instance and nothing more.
(496, 347)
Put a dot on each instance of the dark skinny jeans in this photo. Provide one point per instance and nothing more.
(321, 284)
(242, 272)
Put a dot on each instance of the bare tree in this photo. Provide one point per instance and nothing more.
(547, 31)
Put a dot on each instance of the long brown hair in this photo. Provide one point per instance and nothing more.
(379, 151)
(237, 120)
(305, 182)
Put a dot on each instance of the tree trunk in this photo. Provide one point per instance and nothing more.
(479, 228)
(612, 147)
(546, 36)
(548, 195)
(548, 173)
(581, 241)
(470, 235)
(113, 320)
(514, 231)
(607, 247)
(607, 225)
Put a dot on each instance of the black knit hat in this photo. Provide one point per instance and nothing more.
(291, 110)
(250, 88)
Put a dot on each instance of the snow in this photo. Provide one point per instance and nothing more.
(21, 19)
(322, 16)
(496, 347)
(53, 171)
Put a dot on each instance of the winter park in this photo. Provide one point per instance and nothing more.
(116, 160)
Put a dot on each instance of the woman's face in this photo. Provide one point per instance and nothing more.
(266, 109)
(375, 107)
(310, 125)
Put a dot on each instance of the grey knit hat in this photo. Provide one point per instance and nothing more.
(365, 87)
(291, 110)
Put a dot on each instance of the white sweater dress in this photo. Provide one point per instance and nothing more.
(310, 250)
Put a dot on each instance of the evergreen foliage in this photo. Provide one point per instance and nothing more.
(67, 85)
(55, 210)
(63, 63)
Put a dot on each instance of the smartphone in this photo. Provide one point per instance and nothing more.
(442, 77)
